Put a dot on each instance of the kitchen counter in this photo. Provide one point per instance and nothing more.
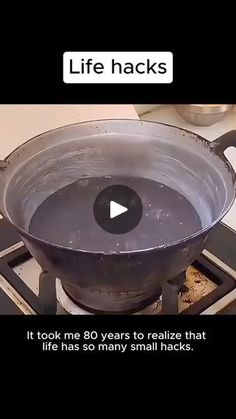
(167, 114)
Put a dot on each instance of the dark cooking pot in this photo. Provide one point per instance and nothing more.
(127, 281)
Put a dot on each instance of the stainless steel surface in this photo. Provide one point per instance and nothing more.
(203, 115)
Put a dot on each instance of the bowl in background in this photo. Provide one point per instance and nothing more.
(203, 115)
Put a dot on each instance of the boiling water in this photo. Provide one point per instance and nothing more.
(66, 217)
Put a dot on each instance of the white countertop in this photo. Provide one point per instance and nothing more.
(167, 114)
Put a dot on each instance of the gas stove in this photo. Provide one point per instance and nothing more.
(207, 287)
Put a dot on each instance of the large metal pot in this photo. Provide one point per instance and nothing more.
(180, 159)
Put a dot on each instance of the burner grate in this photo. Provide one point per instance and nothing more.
(7, 263)
(45, 303)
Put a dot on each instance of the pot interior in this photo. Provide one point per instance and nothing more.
(118, 151)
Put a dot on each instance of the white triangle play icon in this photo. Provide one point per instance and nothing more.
(116, 209)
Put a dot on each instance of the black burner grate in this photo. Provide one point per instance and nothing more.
(42, 304)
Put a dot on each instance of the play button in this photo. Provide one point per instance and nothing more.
(118, 209)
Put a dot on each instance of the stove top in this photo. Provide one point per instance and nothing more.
(207, 287)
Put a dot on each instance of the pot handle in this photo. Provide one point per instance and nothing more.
(224, 141)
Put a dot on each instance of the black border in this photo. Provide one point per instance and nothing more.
(201, 75)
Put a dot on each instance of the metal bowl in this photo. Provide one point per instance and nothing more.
(203, 115)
